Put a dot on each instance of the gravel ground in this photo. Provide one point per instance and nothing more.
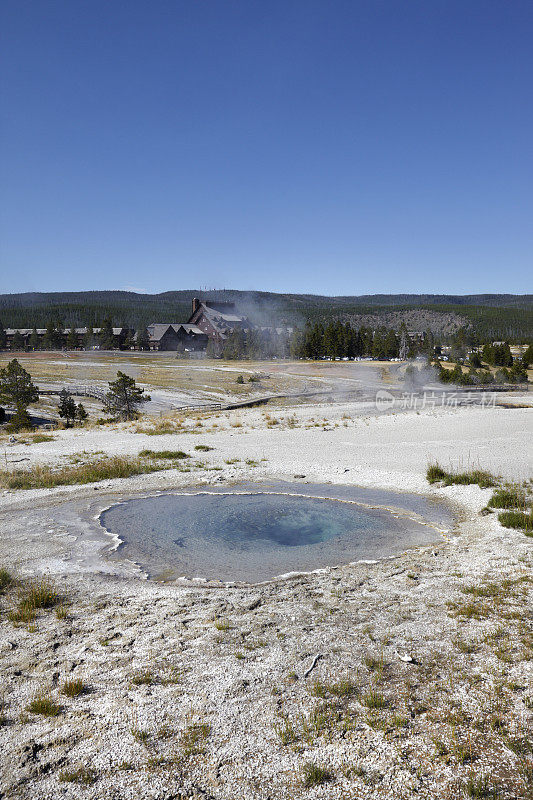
(407, 678)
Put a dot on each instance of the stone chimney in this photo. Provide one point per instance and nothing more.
(195, 304)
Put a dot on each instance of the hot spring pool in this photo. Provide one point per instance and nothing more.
(241, 534)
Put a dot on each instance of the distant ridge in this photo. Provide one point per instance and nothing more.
(498, 315)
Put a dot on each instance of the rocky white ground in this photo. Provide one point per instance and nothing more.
(201, 691)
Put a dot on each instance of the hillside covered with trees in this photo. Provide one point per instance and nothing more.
(488, 317)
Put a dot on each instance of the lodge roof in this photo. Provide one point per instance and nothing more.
(157, 330)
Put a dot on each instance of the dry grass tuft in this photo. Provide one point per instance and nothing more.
(74, 688)
(45, 477)
(44, 705)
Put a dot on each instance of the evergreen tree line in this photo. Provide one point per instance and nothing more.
(55, 338)
(497, 321)
(498, 355)
(342, 340)
(482, 377)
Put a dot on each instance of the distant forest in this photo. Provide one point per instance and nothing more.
(488, 317)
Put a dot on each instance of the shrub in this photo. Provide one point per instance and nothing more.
(314, 775)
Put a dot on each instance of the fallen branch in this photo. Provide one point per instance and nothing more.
(313, 665)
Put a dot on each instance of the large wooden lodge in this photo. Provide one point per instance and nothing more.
(209, 322)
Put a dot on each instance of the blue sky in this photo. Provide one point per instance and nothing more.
(330, 147)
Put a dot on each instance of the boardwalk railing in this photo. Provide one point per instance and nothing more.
(78, 391)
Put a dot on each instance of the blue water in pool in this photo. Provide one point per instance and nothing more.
(254, 536)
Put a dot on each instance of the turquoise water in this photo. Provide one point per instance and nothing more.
(251, 536)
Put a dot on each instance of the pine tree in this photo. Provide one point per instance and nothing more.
(72, 339)
(67, 407)
(527, 358)
(3, 337)
(81, 413)
(88, 339)
(488, 354)
(124, 397)
(34, 341)
(391, 345)
(107, 338)
(18, 341)
(52, 337)
(143, 340)
(17, 389)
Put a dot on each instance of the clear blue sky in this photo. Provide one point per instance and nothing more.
(288, 145)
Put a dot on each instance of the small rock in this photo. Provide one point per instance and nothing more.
(407, 659)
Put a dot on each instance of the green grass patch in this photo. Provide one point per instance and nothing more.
(285, 732)
(480, 787)
(435, 474)
(45, 477)
(164, 454)
(373, 699)
(38, 438)
(33, 596)
(41, 594)
(22, 614)
(5, 580)
(512, 497)
(143, 678)
(469, 610)
(343, 688)
(44, 706)
(82, 775)
(517, 520)
(194, 738)
(203, 448)
(315, 775)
